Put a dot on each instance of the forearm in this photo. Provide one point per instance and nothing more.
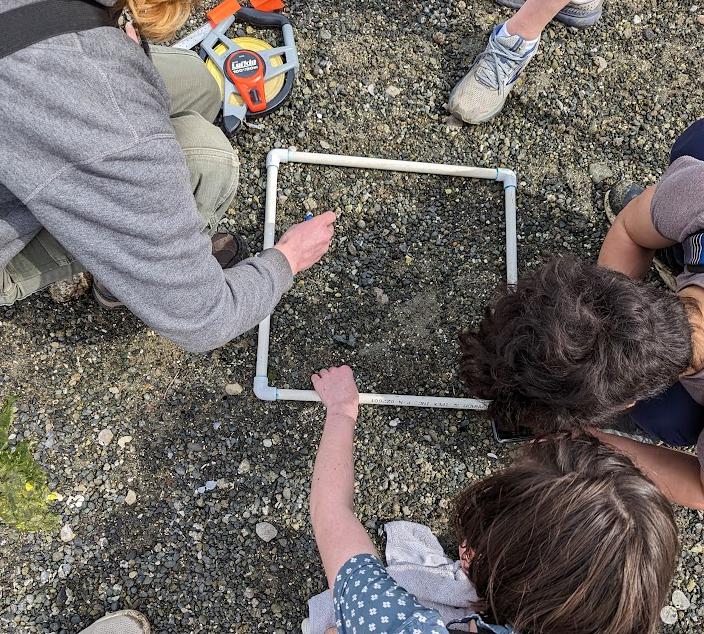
(338, 533)
(620, 253)
(333, 474)
(677, 474)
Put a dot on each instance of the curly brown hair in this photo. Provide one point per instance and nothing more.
(571, 539)
(574, 344)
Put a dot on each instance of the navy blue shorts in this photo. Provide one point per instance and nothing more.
(675, 417)
(690, 143)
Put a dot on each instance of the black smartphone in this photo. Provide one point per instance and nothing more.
(505, 433)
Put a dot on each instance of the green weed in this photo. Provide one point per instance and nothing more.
(24, 494)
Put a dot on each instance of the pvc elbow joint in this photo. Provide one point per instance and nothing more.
(276, 157)
(262, 390)
(507, 177)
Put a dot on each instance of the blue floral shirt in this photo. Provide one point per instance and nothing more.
(367, 599)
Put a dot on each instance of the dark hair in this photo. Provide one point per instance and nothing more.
(571, 539)
(574, 344)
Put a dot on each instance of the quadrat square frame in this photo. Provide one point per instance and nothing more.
(276, 157)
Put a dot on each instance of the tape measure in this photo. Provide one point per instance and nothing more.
(255, 78)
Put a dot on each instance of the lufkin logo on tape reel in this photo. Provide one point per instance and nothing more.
(255, 78)
(246, 70)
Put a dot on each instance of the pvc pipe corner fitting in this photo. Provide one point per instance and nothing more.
(506, 176)
(276, 157)
(262, 389)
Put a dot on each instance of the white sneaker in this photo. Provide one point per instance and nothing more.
(122, 622)
(483, 91)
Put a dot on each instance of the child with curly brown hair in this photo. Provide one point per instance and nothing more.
(577, 344)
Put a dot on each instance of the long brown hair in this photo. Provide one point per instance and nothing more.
(571, 539)
(158, 20)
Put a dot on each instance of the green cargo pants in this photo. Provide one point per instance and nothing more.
(212, 163)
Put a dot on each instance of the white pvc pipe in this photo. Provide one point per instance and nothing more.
(366, 162)
(511, 236)
(275, 157)
(398, 400)
(272, 178)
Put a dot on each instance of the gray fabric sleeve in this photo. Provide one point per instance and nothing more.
(677, 208)
(131, 218)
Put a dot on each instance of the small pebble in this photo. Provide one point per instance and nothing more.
(105, 437)
(130, 498)
(599, 172)
(123, 440)
(680, 600)
(395, 422)
(244, 467)
(67, 533)
(668, 615)
(233, 389)
(600, 63)
(266, 531)
(393, 91)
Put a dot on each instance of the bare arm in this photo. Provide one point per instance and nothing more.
(677, 474)
(338, 533)
(631, 242)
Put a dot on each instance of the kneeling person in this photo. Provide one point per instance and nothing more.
(571, 538)
(578, 344)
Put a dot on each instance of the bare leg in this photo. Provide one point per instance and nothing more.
(530, 20)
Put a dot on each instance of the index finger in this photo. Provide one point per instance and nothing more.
(327, 218)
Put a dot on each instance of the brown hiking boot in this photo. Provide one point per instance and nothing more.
(105, 298)
(229, 249)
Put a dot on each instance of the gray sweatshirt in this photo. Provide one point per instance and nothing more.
(87, 151)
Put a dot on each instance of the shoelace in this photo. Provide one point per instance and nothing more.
(496, 63)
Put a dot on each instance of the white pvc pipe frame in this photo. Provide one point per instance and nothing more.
(275, 157)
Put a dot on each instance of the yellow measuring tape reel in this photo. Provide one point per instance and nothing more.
(272, 87)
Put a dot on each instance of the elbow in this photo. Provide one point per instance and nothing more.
(198, 340)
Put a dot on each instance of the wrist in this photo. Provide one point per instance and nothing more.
(288, 254)
(341, 416)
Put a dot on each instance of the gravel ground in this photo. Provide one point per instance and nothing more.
(165, 514)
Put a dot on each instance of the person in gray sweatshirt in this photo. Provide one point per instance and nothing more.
(111, 164)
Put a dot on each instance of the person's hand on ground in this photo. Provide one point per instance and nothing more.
(338, 391)
(306, 242)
